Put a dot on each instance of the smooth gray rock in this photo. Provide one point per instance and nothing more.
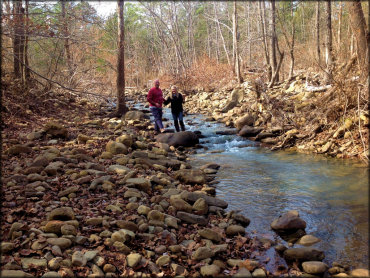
(314, 267)
(304, 254)
(211, 201)
(191, 218)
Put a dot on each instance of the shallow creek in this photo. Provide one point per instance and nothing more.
(331, 195)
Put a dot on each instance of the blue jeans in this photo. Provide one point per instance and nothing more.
(176, 118)
(157, 114)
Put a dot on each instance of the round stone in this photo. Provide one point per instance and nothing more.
(133, 259)
(314, 267)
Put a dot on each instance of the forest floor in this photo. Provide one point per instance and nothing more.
(87, 194)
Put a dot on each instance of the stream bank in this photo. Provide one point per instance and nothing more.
(297, 114)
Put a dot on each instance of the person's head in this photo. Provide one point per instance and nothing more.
(173, 90)
(156, 83)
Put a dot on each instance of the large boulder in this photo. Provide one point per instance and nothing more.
(289, 221)
(184, 138)
(249, 131)
(243, 121)
(136, 115)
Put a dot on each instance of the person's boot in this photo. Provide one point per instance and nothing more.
(182, 126)
(177, 126)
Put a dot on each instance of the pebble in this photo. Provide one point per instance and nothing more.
(54, 264)
(210, 270)
(243, 272)
(308, 240)
(314, 267)
(63, 243)
(202, 253)
(7, 247)
(68, 230)
(109, 268)
(360, 272)
(90, 255)
(15, 273)
(259, 272)
(234, 230)
(51, 274)
(210, 234)
(133, 259)
(78, 259)
(27, 262)
(165, 259)
(94, 221)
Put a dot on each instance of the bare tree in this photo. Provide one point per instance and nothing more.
(329, 44)
(289, 42)
(235, 44)
(358, 26)
(66, 35)
(273, 39)
(261, 9)
(220, 31)
(121, 104)
(339, 26)
(18, 40)
(318, 32)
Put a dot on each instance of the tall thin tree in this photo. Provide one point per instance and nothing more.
(121, 104)
(235, 44)
(358, 26)
(329, 44)
(273, 39)
(318, 32)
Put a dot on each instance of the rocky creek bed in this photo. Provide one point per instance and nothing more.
(93, 196)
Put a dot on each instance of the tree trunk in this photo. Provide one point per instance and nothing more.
(249, 35)
(292, 46)
(339, 25)
(66, 36)
(359, 28)
(26, 70)
(121, 104)
(329, 44)
(208, 40)
(18, 40)
(235, 43)
(273, 40)
(318, 33)
(222, 36)
(291, 42)
(264, 38)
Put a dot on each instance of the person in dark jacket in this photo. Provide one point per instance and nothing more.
(176, 99)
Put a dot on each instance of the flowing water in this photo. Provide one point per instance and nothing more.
(331, 195)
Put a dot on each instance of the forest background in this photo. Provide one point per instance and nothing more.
(50, 48)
